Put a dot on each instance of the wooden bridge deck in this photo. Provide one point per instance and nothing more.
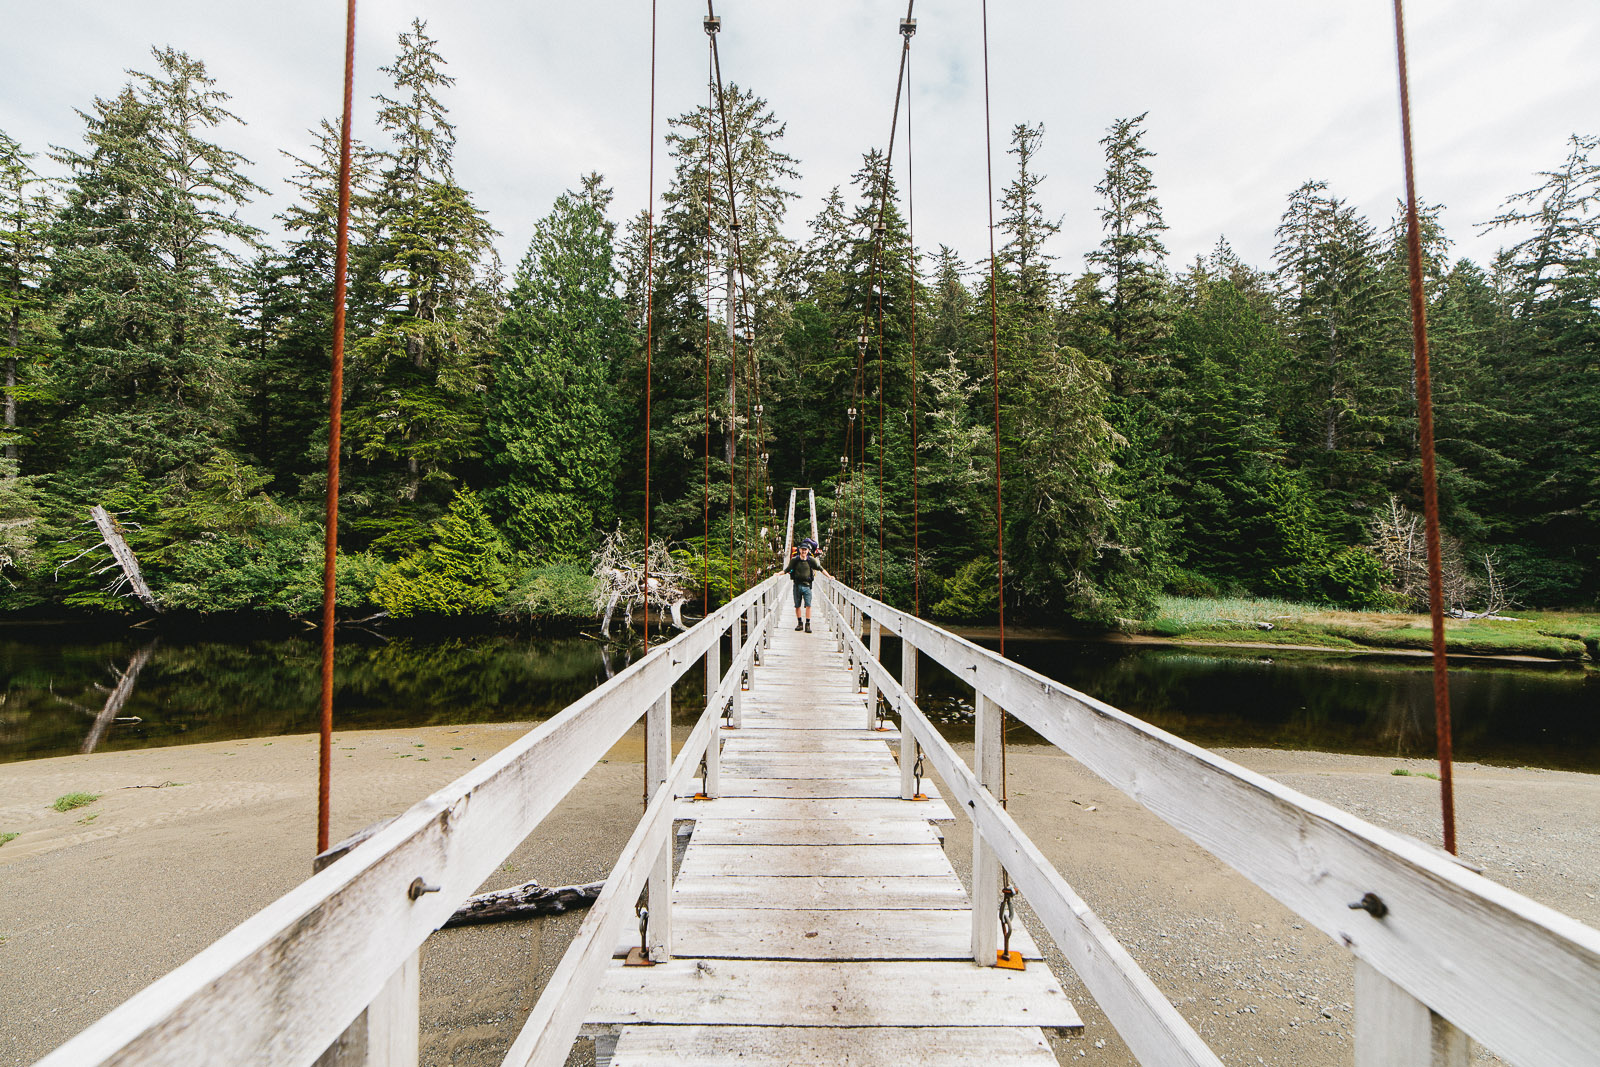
(815, 917)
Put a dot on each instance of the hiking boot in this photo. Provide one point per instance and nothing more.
(797, 626)
(808, 626)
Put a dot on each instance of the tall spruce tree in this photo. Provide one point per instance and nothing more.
(1130, 259)
(550, 406)
(143, 275)
(428, 267)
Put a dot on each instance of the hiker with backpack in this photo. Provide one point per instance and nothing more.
(803, 569)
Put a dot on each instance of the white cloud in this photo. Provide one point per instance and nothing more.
(1246, 98)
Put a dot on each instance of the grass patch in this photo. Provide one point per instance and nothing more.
(69, 801)
(8, 837)
(89, 818)
(1404, 773)
(1545, 635)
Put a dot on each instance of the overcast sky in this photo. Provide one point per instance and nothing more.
(1246, 98)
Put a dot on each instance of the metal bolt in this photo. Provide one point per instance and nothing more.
(419, 887)
(1372, 904)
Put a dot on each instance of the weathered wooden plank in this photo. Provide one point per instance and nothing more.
(858, 1046)
(803, 740)
(858, 811)
(885, 786)
(902, 831)
(863, 993)
(877, 892)
(815, 765)
(830, 934)
(799, 861)
(1518, 977)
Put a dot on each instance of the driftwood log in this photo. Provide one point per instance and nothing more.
(526, 901)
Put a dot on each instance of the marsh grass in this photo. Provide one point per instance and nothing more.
(69, 801)
(1544, 634)
(8, 837)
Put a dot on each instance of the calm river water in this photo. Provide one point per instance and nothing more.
(53, 684)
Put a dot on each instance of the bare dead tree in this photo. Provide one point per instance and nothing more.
(619, 571)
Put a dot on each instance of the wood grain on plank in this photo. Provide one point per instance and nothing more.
(799, 861)
(860, 1046)
(883, 831)
(876, 892)
(830, 934)
(864, 993)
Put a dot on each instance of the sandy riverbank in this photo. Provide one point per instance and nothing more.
(186, 842)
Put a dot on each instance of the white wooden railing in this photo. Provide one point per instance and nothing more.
(281, 988)
(1441, 953)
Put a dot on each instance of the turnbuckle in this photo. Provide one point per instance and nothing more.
(916, 771)
(1005, 957)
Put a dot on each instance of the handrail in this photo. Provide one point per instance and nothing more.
(1139, 1011)
(1519, 977)
(280, 987)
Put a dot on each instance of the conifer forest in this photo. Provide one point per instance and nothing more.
(1206, 428)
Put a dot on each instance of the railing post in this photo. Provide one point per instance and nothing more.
(394, 1018)
(872, 683)
(733, 666)
(658, 750)
(1395, 1029)
(985, 864)
(389, 1032)
(713, 779)
(908, 744)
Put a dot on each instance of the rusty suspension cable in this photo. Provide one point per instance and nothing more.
(1430, 493)
(330, 543)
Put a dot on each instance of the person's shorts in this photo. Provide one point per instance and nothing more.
(802, 595)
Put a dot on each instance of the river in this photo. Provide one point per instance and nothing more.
(55, 683)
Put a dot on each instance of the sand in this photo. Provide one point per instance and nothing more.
(186, 842)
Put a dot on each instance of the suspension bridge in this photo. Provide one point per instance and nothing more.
(813, 916)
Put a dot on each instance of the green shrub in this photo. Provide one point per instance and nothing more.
(553, 590)
(971, 594)
(69, 801)
(467, 567)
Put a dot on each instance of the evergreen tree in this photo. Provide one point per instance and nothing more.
(427, 265)
(1130, 259)
(549, 411)
(143, 275)
(25, 211)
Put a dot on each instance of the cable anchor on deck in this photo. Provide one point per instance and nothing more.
(916, 774)
(727, 715)
(1005, 957)
(639, 956)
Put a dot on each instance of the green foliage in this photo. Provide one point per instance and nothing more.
(560, 590)
(69, 801)
(550, 405)
(970, 594)
(465, 568)
(9, 835)
(142, 266)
